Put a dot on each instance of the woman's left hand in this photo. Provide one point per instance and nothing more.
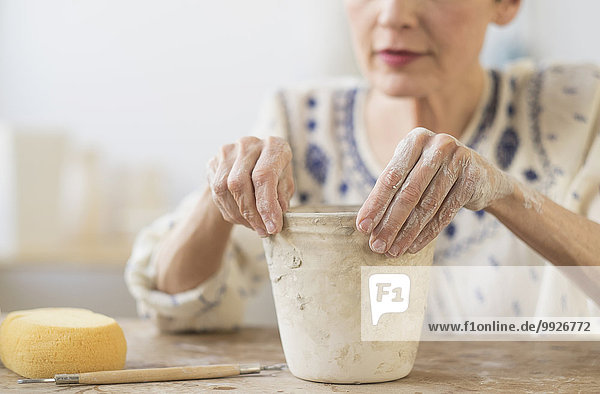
(430, 177)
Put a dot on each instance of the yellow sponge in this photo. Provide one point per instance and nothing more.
(40, 343)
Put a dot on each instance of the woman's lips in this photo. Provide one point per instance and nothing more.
(394, 58)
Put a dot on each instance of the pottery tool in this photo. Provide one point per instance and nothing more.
(158, 374)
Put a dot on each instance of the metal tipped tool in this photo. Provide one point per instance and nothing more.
(158, 374)
(51, 380)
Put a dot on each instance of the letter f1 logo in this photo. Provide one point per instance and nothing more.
(389, 293)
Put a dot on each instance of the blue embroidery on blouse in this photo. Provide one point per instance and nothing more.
(311, 125)
(350, 140)
(211, 304)
(317, 163)
(311, 102)
(579, 117)
(174, 300)
(551, 137)
(450, 230)
(208, 304)
(511, 110)
(494, 262)
(479, 295)
(535, 111)
(304, 197)
(489, 114)
(533, 274)
(516, 308)
(507, 147)
(343, 188)
(530, 175)
(576, 196)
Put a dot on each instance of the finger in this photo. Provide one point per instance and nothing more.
(230, 210)
(211, 175)
(226, 216)
(457, 197)
(276, 155)
(239, 182)
(405, 157)
(285, 189)
(438, 151)
(220, 189)
(430, 202)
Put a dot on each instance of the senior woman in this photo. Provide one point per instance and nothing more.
(429, 133)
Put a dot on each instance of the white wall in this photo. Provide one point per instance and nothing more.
(565, 30)
(549, 31)
(166, 81)
(160, 81)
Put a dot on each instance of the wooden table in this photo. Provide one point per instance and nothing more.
(440, 366)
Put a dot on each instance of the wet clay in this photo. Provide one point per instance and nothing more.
(315, 270)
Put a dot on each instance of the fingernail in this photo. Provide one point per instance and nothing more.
(270, 226)
(378, 246)
(261, 232)
(394, 250)
(414, 247)
(365, 225)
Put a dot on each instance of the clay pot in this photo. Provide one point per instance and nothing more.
(315, 270)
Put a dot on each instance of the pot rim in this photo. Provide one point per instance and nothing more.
(306, 211)
(307, 218)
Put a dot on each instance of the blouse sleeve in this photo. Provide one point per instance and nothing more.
(584, 194)
(217, 303)
(568, 294)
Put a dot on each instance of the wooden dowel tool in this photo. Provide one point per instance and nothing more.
(157, 374)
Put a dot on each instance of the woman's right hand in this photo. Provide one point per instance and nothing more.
(252, 182)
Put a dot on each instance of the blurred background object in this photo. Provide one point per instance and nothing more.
(110, 109)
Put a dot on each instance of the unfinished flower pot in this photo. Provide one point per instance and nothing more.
(315, 270)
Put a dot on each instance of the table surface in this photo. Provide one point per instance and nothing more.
(440, 366)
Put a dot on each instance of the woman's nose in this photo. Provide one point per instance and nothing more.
(398, 14)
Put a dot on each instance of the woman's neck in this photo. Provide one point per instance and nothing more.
(448, 110)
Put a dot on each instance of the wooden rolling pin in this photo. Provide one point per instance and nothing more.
(157, 374)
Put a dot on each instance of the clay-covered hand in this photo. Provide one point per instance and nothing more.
(430, 177)
(252, 183)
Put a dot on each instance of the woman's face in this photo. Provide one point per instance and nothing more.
(415, 47)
